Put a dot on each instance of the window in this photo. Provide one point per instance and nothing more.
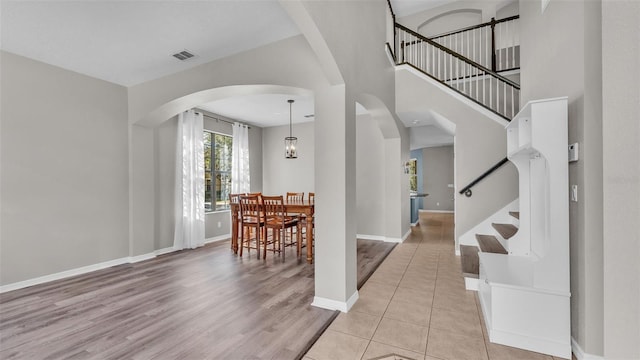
(217, 171)
(413, 175)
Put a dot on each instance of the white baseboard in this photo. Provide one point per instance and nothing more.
(217, 238)
(472, 284)
(84, 270)
(406, 235)
(143, 257)
(165, 251)
(437, 211)
(63, 274)
(580, 354)
(330, 304)
(371, 237)
(537, 344)
(415, 223)
(381, 238)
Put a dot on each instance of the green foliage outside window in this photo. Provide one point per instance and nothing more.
(217, 170)
(413, 175)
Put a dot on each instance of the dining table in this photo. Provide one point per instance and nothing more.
(302, 207)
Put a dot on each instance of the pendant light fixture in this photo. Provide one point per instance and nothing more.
(290, 141)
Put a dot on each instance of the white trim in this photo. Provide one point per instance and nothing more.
(85, 269)
(371, 237)
(63, 274)
(472, 284)
(580, 354)
(330, 304)
(382, 238)
(541, 345)
(415, 223)
(406, 235)
(143, 257)
(165, 251)
(389, 54)
(217, 238)
(437, 211)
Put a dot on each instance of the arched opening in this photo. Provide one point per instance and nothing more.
(153, 144)
(450, 21)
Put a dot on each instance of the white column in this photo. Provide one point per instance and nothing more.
(335, 204)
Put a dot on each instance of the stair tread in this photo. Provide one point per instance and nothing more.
(505, 230)
(490, 244)
(470, 261)
(515, 214)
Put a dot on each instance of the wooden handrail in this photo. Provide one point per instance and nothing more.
(467, 189)
(393, 15)
(490, 23)
(455, 54)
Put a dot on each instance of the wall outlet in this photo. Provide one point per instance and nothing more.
(219, 224)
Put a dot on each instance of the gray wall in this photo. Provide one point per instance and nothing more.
(437, 174)
(568, 34)
(370, 200)
(480, 142)
(281, 175)
(621, 183)
(64, 170)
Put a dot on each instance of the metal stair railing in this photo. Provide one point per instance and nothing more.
(471, 79)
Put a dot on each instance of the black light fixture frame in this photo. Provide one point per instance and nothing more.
(290, 142)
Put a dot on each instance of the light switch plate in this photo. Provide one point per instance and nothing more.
(574, 193)
(573, 152)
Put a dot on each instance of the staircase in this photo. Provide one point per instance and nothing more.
(468, 77)
(518, 258)
(520, 267)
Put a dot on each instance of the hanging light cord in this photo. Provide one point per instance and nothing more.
(290, 132)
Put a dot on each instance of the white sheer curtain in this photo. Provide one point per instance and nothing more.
(240, 181)
(189, 190)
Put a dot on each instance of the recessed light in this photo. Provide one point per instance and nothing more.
(416, 122)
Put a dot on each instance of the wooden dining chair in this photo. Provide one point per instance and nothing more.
(234, 203)
(297, 197)
(250, 219)
(312, 199)
(276, 219)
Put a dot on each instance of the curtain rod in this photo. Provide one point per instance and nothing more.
(218, 119)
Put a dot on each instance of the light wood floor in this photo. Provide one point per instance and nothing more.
(196, 304)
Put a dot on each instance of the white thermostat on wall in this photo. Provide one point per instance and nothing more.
(573, 152)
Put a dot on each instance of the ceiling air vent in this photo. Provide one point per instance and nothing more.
(183, 55)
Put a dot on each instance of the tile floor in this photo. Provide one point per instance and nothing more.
(416, 307)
